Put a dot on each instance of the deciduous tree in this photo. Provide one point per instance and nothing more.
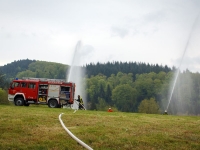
(148, 106)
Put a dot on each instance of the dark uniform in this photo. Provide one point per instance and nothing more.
(80, 100)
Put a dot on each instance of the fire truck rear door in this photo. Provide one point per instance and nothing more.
(53, 90)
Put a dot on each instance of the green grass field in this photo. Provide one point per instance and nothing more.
(38, 128)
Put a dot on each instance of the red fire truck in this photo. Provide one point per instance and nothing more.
(53, 92)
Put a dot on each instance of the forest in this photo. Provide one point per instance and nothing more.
(124, 86)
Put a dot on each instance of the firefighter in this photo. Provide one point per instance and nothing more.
(165, 113)
(110, 110)
(80, 100)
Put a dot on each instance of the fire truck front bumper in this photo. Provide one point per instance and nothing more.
(10, 97)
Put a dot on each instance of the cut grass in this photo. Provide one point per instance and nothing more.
(38, 127)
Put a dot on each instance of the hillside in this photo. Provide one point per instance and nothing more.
(24, 67)
(33, 68)
(11, 69)
(39, 128)
(126, 92)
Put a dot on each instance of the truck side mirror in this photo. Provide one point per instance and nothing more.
(12, 86)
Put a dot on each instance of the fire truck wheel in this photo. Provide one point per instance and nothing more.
(53, 103)
(19, 101)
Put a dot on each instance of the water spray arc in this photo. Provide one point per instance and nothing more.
(178, 70)
(75, 73)
(74, 61)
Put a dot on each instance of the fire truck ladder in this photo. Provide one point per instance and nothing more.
(43, 79)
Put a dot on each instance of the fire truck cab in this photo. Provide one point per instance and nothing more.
(52, 92)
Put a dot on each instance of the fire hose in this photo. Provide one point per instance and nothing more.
(73, 136)
(77, 102)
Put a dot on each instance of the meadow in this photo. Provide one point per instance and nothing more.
(38, 128)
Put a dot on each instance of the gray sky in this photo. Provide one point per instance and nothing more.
(150, 31)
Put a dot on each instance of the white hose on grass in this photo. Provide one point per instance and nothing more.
(73, 136)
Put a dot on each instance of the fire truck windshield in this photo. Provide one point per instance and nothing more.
(15, 84)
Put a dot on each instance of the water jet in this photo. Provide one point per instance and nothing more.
(75, 73)
(178, 69)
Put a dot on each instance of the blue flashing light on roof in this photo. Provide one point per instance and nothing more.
(16, 78)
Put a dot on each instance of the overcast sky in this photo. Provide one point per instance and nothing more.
(150, 31)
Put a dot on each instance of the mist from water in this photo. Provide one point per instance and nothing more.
(182, 98)
(178, 70)
(75, 73)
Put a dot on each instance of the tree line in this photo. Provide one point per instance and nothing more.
(128, 87)
(109, 68)
(151, 89)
